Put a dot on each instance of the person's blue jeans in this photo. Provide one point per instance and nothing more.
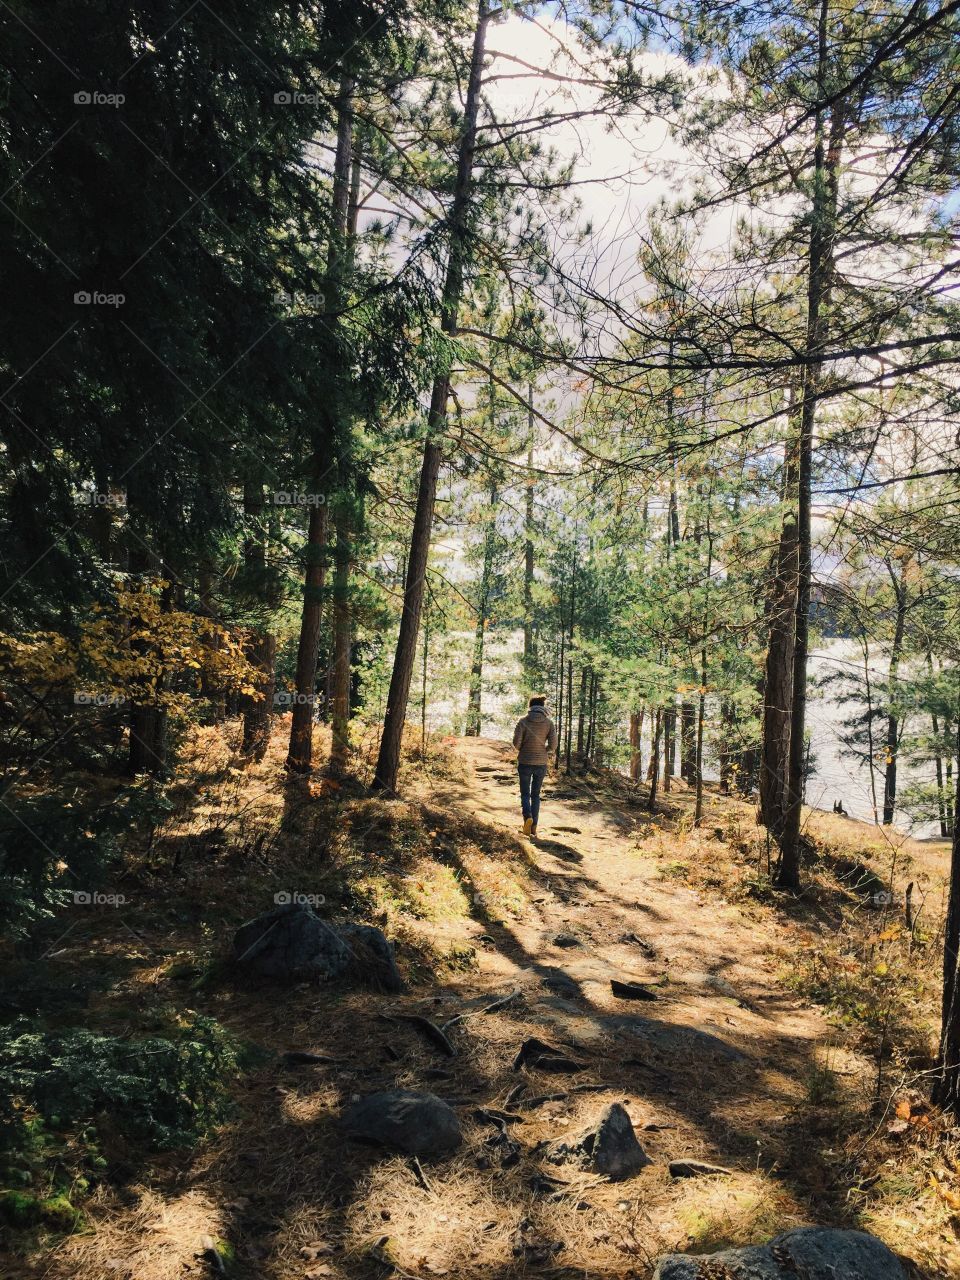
(531, 780)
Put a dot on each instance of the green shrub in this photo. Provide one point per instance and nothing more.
(49, 849)
(22, 1210)
(158, 1092)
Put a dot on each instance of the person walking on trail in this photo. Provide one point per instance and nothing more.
(535, 737)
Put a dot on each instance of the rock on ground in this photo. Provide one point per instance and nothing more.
(401, 1120)
(609, 1147)
(815, 1253)
(293, 944)
(694, 1169)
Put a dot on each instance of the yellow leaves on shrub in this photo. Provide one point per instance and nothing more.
(44, 659)
(139, 652)
(910, 1115)
(949, 1198)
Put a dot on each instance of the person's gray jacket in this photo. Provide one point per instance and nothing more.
(535, 737)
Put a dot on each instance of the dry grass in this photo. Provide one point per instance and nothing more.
(834, 996)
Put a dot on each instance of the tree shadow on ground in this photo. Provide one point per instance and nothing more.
(282, 1175)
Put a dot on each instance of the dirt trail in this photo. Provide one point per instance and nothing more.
(630, 922)
(715, 1067)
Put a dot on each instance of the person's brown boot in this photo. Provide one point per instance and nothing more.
(527, 826)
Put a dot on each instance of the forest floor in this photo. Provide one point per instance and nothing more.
(787, 1040)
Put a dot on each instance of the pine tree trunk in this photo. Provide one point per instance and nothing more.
(668, 749)
(820, 265)
(688, 742)
(655, 761)
(893, 720)
(300, 750)
(337, 688)
(342, 639)
(529, 656)
(345, 212)
(701, 715)
(569, 712)
(214, 696)
(582, 711)
(726, 750)
(560, 681)
(778, 670)
(475, 695)
(388, 761)
(423, 683)
(938, 761)
(946, 1086)
(592, 722)
(949, 793)
(572, 624)
(261, 645)
(636, 726)
(147, 748)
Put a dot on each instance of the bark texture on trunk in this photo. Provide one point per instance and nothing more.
(388, 760)
(778, 683)
(946, 1085)
(261, 645)
(827, 154)
(636, 725)
(688, 741)
(529, 655)
(300, 750)
(475, 695)
(342, 639)
(893, 718)
(339, 261)
(147, 744)
(655, 761)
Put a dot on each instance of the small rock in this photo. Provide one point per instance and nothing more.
(566, 940)
(401, 1120)
(372, 958)
(609, 1147)
(648, 949)
(544, 1057)
(816, 1253)
(631, 990)
(694, 1169)
(316, 1249)
(293, 944)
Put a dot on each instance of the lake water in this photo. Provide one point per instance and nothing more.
(835, 777)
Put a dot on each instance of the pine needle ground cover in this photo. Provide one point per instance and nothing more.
(231, 1156)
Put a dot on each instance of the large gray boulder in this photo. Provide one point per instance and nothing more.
(608, 1147)
(401, 1120)
(292, 943)
(813, 1253)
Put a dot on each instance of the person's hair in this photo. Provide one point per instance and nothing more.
(537, 700)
